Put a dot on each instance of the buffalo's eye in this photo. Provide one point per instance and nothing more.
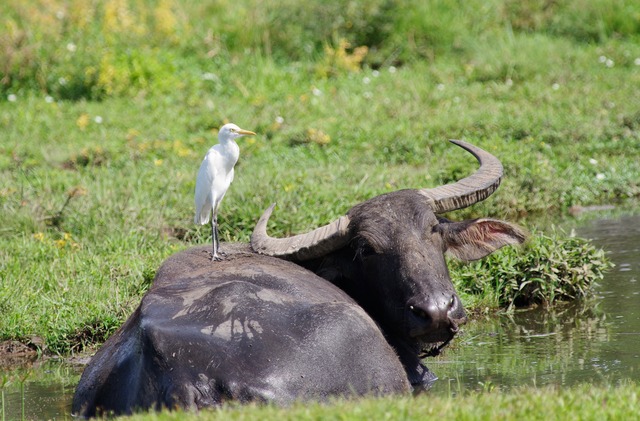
(365, 250)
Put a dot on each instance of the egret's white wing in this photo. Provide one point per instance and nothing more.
(230, 178)
(207, 176)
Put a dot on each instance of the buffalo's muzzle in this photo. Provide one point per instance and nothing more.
(435, 320)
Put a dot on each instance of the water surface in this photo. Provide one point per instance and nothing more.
(42, 391)
(597, 341)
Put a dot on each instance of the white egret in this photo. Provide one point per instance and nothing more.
(214, 177)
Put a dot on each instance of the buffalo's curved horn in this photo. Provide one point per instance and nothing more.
(472, 189)
(307, 246)
(335, 235)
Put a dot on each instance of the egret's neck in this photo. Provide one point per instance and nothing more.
(231, 151)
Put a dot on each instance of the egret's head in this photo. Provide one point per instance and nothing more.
(231, 131)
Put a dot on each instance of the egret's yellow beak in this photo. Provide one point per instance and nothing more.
(246, 132)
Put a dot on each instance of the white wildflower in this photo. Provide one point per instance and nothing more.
(209, 76)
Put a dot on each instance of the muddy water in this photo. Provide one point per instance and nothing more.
(596, 342)
(42, 391)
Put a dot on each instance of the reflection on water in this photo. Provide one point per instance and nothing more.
(39, 392)
(596, 342)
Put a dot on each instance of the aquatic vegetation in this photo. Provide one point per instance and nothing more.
(548, 268)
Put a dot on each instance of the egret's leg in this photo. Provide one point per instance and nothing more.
(220, 252)
(217, 238)
(214, 239)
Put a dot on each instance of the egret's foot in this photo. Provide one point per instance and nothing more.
(222, 253)
(214, 257)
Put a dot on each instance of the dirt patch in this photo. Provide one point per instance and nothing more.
(14, 353)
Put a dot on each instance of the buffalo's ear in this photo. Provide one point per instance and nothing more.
(475, 239)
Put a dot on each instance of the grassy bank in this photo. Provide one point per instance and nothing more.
(583, 403)
(107, 108)
(586, 402)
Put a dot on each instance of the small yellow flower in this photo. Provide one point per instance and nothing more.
(180, 149)
(83, 121)
(165, 19)
(338, 59)
(318, 136)
(143, 146)
(66, 241)
(158, 162)
(8, 191)
(132, 134)
(39, 236)
(77, 191)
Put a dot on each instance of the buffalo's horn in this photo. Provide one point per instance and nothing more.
(472, 189)
(307, 246)
(335, 235)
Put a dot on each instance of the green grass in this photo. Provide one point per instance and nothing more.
(107, 108)
(581, 403)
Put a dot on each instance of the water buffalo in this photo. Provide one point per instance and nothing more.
(349, 308)
(388, 254)
(247, 328)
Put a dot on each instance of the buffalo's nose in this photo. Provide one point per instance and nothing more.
(436, 317)
(430, 314)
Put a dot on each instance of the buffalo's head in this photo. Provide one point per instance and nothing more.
(389, 254)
